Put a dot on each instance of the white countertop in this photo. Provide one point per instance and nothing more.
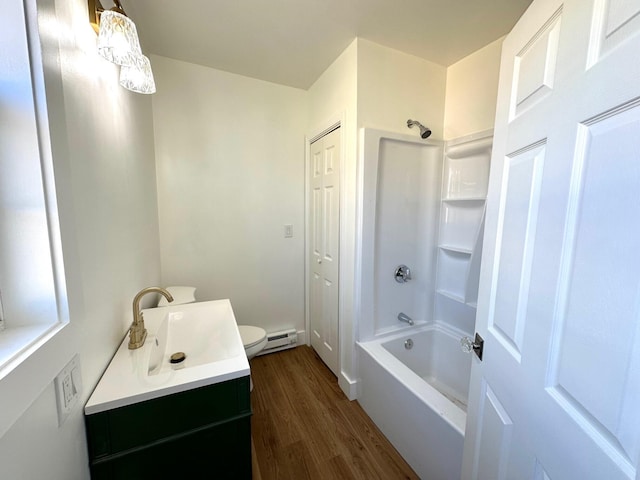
(127, 381)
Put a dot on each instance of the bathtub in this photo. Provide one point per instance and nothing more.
(418, 396)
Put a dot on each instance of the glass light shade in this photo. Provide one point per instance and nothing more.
(138, 77)
(118, 38)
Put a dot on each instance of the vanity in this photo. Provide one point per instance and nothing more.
(149, 418)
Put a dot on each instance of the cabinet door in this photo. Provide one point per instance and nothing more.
(206, 429)
(221, 451)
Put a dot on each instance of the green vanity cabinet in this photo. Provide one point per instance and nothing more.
(200, 433)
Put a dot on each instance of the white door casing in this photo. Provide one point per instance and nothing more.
(324, 170)
(557, 395)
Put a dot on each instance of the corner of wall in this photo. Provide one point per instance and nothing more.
(394, 86)
(335, 95)
(472, 92)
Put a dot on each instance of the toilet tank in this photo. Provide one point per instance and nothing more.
(180, 294)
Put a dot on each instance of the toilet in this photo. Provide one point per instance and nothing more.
(254, 339)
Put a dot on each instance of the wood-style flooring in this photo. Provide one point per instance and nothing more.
(304, 427)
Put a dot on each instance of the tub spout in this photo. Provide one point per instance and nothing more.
(403, 317)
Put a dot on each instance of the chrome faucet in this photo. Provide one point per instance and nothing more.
(137, 332)
(403, 317)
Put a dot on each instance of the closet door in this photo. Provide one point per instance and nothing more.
(324, 257)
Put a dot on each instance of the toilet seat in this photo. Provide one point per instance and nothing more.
(251, 335)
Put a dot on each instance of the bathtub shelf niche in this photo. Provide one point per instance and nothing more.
(459, 270)
(459, 224)
(464, 190)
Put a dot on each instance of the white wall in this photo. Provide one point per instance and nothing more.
(333, 96)
(472, 92)
(104, 164)
(230, 160)
(394, 86)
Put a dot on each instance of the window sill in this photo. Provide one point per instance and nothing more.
(18, 342)
(24, 378)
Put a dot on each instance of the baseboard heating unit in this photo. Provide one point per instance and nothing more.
(282, 340)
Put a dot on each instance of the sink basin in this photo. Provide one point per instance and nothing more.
(207, 334)
(198, 330)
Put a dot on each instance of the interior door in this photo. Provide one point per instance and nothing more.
(557, 395)
(324, 251)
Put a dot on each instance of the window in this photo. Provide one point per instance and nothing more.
(33, 297)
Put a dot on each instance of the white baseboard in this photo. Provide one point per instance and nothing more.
(302, 337)
(348, 386)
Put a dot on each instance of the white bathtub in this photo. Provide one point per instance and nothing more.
(418, 396)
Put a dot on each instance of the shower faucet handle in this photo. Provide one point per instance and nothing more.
(402, 274)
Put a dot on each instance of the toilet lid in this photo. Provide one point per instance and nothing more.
(251, 335)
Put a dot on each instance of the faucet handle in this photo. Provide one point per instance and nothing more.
(137, 332)
(402, 274)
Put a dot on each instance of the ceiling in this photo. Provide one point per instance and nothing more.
(291, 42)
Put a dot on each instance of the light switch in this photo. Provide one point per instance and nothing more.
(288, 231)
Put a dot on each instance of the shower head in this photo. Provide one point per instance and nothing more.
(424, 131)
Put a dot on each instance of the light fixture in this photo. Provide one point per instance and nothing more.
(118, 42)
(138, 77)
(118, 39)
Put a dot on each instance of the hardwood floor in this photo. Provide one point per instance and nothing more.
(304, 427)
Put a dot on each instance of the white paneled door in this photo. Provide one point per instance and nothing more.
(324, 247)
(557, 395)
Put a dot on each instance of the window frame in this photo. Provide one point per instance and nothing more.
(32, 367)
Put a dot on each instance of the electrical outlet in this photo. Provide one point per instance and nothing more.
(288, 231)
(68, 385)
(68, 391)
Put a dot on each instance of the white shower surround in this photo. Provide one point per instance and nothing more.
(417, 397)
(400, 178)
